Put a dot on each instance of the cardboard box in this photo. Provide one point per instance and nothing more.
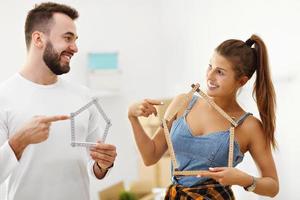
(112, 192)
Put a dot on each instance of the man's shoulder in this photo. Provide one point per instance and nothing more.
(8, 84)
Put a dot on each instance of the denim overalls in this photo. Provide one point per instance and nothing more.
(200, 152)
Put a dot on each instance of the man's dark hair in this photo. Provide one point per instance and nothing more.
(41, 16)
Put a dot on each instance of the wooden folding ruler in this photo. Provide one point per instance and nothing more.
(171, 114)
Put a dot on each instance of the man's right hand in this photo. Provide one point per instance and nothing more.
(33, 132)
(37, 129)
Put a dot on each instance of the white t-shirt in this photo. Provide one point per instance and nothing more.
(52, 169)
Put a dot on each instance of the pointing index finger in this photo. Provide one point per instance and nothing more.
(55, 118)
(154, 102)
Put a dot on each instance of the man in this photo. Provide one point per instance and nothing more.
(35, 150)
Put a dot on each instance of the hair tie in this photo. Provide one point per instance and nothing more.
(250, 42)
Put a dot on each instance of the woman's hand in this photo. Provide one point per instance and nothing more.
(228, 176)
(144, 108)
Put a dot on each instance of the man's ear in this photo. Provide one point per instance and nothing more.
(243, 80)
(38, 39)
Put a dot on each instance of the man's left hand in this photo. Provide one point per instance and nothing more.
(103, 154)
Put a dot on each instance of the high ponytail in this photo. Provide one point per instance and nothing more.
(246, 60)
(263, 91)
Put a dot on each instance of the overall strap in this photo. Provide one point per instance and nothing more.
(191, 104)
(231, 138)
(242, 118)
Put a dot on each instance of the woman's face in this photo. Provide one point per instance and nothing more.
(220, 77)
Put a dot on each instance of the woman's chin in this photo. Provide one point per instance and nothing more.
(211, 93)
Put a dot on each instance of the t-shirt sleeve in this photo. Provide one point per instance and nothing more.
(8, 160)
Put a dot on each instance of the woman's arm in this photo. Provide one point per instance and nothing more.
(261, 153)
(151, 149)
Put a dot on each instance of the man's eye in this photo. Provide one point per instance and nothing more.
(68, 39)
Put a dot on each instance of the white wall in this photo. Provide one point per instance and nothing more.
(164, 45)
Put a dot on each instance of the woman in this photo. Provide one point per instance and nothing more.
(200, 135)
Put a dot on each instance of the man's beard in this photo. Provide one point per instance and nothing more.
(52, 60)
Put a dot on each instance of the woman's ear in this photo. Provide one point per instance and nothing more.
(243, 80)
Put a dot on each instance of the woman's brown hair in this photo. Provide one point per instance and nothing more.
(247, 60)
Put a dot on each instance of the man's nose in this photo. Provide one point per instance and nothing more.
(74, 47)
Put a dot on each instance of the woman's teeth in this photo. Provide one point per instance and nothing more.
(210, 85)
